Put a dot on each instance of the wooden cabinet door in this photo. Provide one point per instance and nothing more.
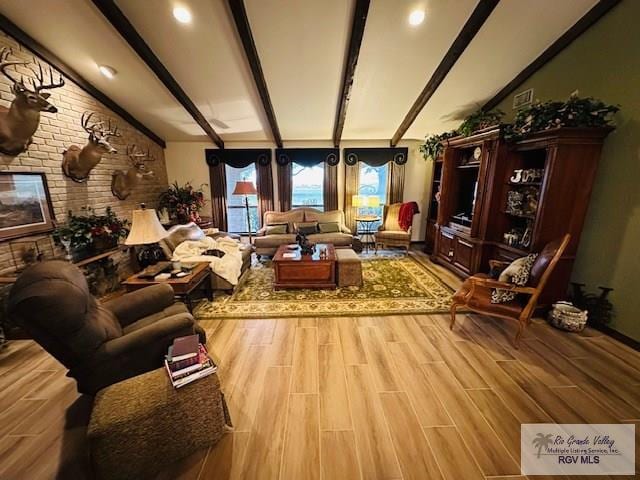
(463, 254)
(446, 246)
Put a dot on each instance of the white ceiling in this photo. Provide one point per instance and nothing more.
(302, 45)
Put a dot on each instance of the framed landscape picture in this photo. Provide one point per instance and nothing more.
(25, 205)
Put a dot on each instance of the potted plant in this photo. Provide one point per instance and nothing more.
(88, 234)
(182, 203)
(433, 144)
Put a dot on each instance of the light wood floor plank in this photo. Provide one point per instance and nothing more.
(262, 331)
(308, 322)
(452, 455)
(334, 400)
(338, 456)
(413, 380)
(421, 345)
(243, 399)
(352, 349)
(31, 382)
(283, 342)
(224, 461)
(589, 410)
(378, 360)
(375, 450)
(413, 451)
(305, 361)
(328, 330)
(493, 457)
(301, 457)
(264, 450)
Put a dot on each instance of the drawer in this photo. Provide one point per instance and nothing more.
(446, 244)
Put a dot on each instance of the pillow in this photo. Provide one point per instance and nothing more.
(329, 227)
(306, 228)
(518, 274)
(276, 229)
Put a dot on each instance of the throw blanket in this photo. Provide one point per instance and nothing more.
(406, 213)
(228, 267)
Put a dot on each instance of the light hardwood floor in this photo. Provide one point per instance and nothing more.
(396, 397)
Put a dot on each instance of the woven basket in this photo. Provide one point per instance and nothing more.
(565, 316)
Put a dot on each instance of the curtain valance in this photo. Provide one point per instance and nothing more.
(238, 157)
(308, 157)
(376, 157)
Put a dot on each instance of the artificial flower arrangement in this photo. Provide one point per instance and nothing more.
(575, 112)
(91, 233)
(182, 203)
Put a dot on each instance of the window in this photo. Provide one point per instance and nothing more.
(373, 183)
(307, 186)
(236, 211)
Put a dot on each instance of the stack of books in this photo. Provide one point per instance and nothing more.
(188, 360)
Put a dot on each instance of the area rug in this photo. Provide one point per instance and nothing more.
(393, 284)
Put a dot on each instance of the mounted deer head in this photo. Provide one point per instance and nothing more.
(78, 162)
(122, 183)
(19, 122)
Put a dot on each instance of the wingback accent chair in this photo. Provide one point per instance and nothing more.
(100, 344)
(390, 233)
(475, 292)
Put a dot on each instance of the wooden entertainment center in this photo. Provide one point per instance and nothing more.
(503, 200)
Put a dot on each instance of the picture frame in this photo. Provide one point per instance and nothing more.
(25, 205)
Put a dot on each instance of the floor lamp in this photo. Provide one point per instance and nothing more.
(246, 188)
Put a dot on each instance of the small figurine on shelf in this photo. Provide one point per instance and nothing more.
(514, 201)
(512, 238)
(517, 176)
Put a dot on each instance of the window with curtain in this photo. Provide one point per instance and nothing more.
(236, 211)
(373, 183)
(307, 186)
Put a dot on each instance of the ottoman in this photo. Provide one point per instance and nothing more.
(349, 268)
(142, 425)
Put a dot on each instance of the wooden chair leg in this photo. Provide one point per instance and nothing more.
(521, 325)
(453, 315)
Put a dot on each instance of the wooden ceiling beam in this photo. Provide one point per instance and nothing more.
(578, 28)
(243, 28)
(56, 62)
(358, 23)
(462, 41)
(121, 23)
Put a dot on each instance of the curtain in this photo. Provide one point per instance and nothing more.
(264, 181)
(218, 182)
(284, 186)
(330, 187)
(395, 183)
(351, 180)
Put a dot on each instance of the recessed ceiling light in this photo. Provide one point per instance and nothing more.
(182, 14)
(416, 17)
(107, 71)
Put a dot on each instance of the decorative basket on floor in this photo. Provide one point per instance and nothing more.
(565, 316)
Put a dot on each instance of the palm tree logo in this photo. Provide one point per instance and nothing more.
(542, 441)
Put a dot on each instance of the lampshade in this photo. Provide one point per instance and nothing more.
(373, 201)
(358, 200)
(244, 187)
(145, 228)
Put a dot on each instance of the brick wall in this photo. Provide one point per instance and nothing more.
(58, 131)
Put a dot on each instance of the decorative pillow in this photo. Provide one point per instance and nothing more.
(276, 229)
(329, 227)
(518, 274)
(306, 228)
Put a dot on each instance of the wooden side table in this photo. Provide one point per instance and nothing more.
(183, 288)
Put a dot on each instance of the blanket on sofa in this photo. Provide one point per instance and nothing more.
(229, 266)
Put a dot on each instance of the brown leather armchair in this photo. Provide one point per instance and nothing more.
(475, 292)
(100, 344)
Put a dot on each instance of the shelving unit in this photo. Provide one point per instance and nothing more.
(432, 215)
(535, 212)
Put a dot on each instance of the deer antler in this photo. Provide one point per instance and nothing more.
(4, 63)
(41, 75)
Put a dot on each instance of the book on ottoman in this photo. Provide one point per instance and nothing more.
(191, 363)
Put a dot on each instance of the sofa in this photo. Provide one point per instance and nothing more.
(100, 343)
(280, 228)
(190, 231)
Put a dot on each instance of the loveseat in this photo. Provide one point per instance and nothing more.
(190, 231)
(280, 228)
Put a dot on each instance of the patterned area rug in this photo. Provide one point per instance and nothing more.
(393, 284)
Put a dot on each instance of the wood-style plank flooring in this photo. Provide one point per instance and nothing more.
(396, 397)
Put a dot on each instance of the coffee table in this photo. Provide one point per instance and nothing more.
(183, 288)
(305, 271)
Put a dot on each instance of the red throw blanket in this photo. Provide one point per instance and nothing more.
(406, 213)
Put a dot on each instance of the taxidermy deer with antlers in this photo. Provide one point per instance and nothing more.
(78, 162)
(122, 183)
(19, 122)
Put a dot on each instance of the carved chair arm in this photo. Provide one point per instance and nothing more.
(490, 283)
(498, 264)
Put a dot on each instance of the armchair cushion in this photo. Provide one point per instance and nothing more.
(516, 273)
(135, 305)
(391, 218)
(175, 309)
(393, 235)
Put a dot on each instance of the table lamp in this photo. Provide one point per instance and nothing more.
(246, 188)
(146, 230)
